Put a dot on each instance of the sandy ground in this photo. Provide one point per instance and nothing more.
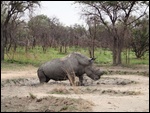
(112, 93)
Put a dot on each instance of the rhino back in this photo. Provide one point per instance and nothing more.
(53, 69)
(59, 68)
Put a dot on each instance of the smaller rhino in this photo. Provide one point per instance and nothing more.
(75, 64)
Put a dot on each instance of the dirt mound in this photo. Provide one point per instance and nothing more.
(46, 104)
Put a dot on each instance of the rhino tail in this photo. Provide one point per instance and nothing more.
(42, 77)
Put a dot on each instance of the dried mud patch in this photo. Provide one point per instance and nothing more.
(115, 81)
(19, 82)
(87, 90)
(87, 82)
(45, 104)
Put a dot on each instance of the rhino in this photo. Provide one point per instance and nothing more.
(69, 67)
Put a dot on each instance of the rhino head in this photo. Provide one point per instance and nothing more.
(83, 60)
(87, 66)
(93, 73)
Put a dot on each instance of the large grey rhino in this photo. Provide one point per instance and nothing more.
(75, 64)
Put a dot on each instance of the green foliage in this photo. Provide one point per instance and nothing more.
(134, 60)
(39, 21)
(103, 56)
(36, 56)
(140, 39)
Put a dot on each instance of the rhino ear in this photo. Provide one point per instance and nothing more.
(92, 59)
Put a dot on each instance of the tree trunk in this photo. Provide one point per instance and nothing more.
(90, 53)
(44, 49)
(65, 48)
(9, 46)
(15, 47)
(93, 49)
(34, 43)
(126, 54)
(117, 49)
(129, 56)
(118, 56)
(2, 44)
(60, 49)
(114, 52)
(114, 57)
(3, 35)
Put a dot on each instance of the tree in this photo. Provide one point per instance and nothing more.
(109, 13)
(92, 34)
(39, 27)
(8, 10)
(140, 38)
(13, 29)
(78, 35)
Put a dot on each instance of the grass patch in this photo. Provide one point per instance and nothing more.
(32, 96)
(36, 56)
(5, 66)
(144, 73)
(60, 90)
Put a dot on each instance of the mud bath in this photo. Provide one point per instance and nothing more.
(110, 93)
(87, 82)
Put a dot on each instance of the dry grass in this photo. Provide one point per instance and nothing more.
(60, 90)
(65, 90)
(71, 76)
(32, 96)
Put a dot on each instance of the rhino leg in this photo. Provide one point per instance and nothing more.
(42, 77)
(71, 80)
(81, 81)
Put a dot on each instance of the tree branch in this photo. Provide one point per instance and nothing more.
(138, 17)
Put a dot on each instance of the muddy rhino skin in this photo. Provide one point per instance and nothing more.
(75, 64)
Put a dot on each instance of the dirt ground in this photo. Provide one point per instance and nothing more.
(21, 91)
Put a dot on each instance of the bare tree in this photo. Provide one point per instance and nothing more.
(39, 27)
(109, 13)
(8, 10)
(92, 34)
